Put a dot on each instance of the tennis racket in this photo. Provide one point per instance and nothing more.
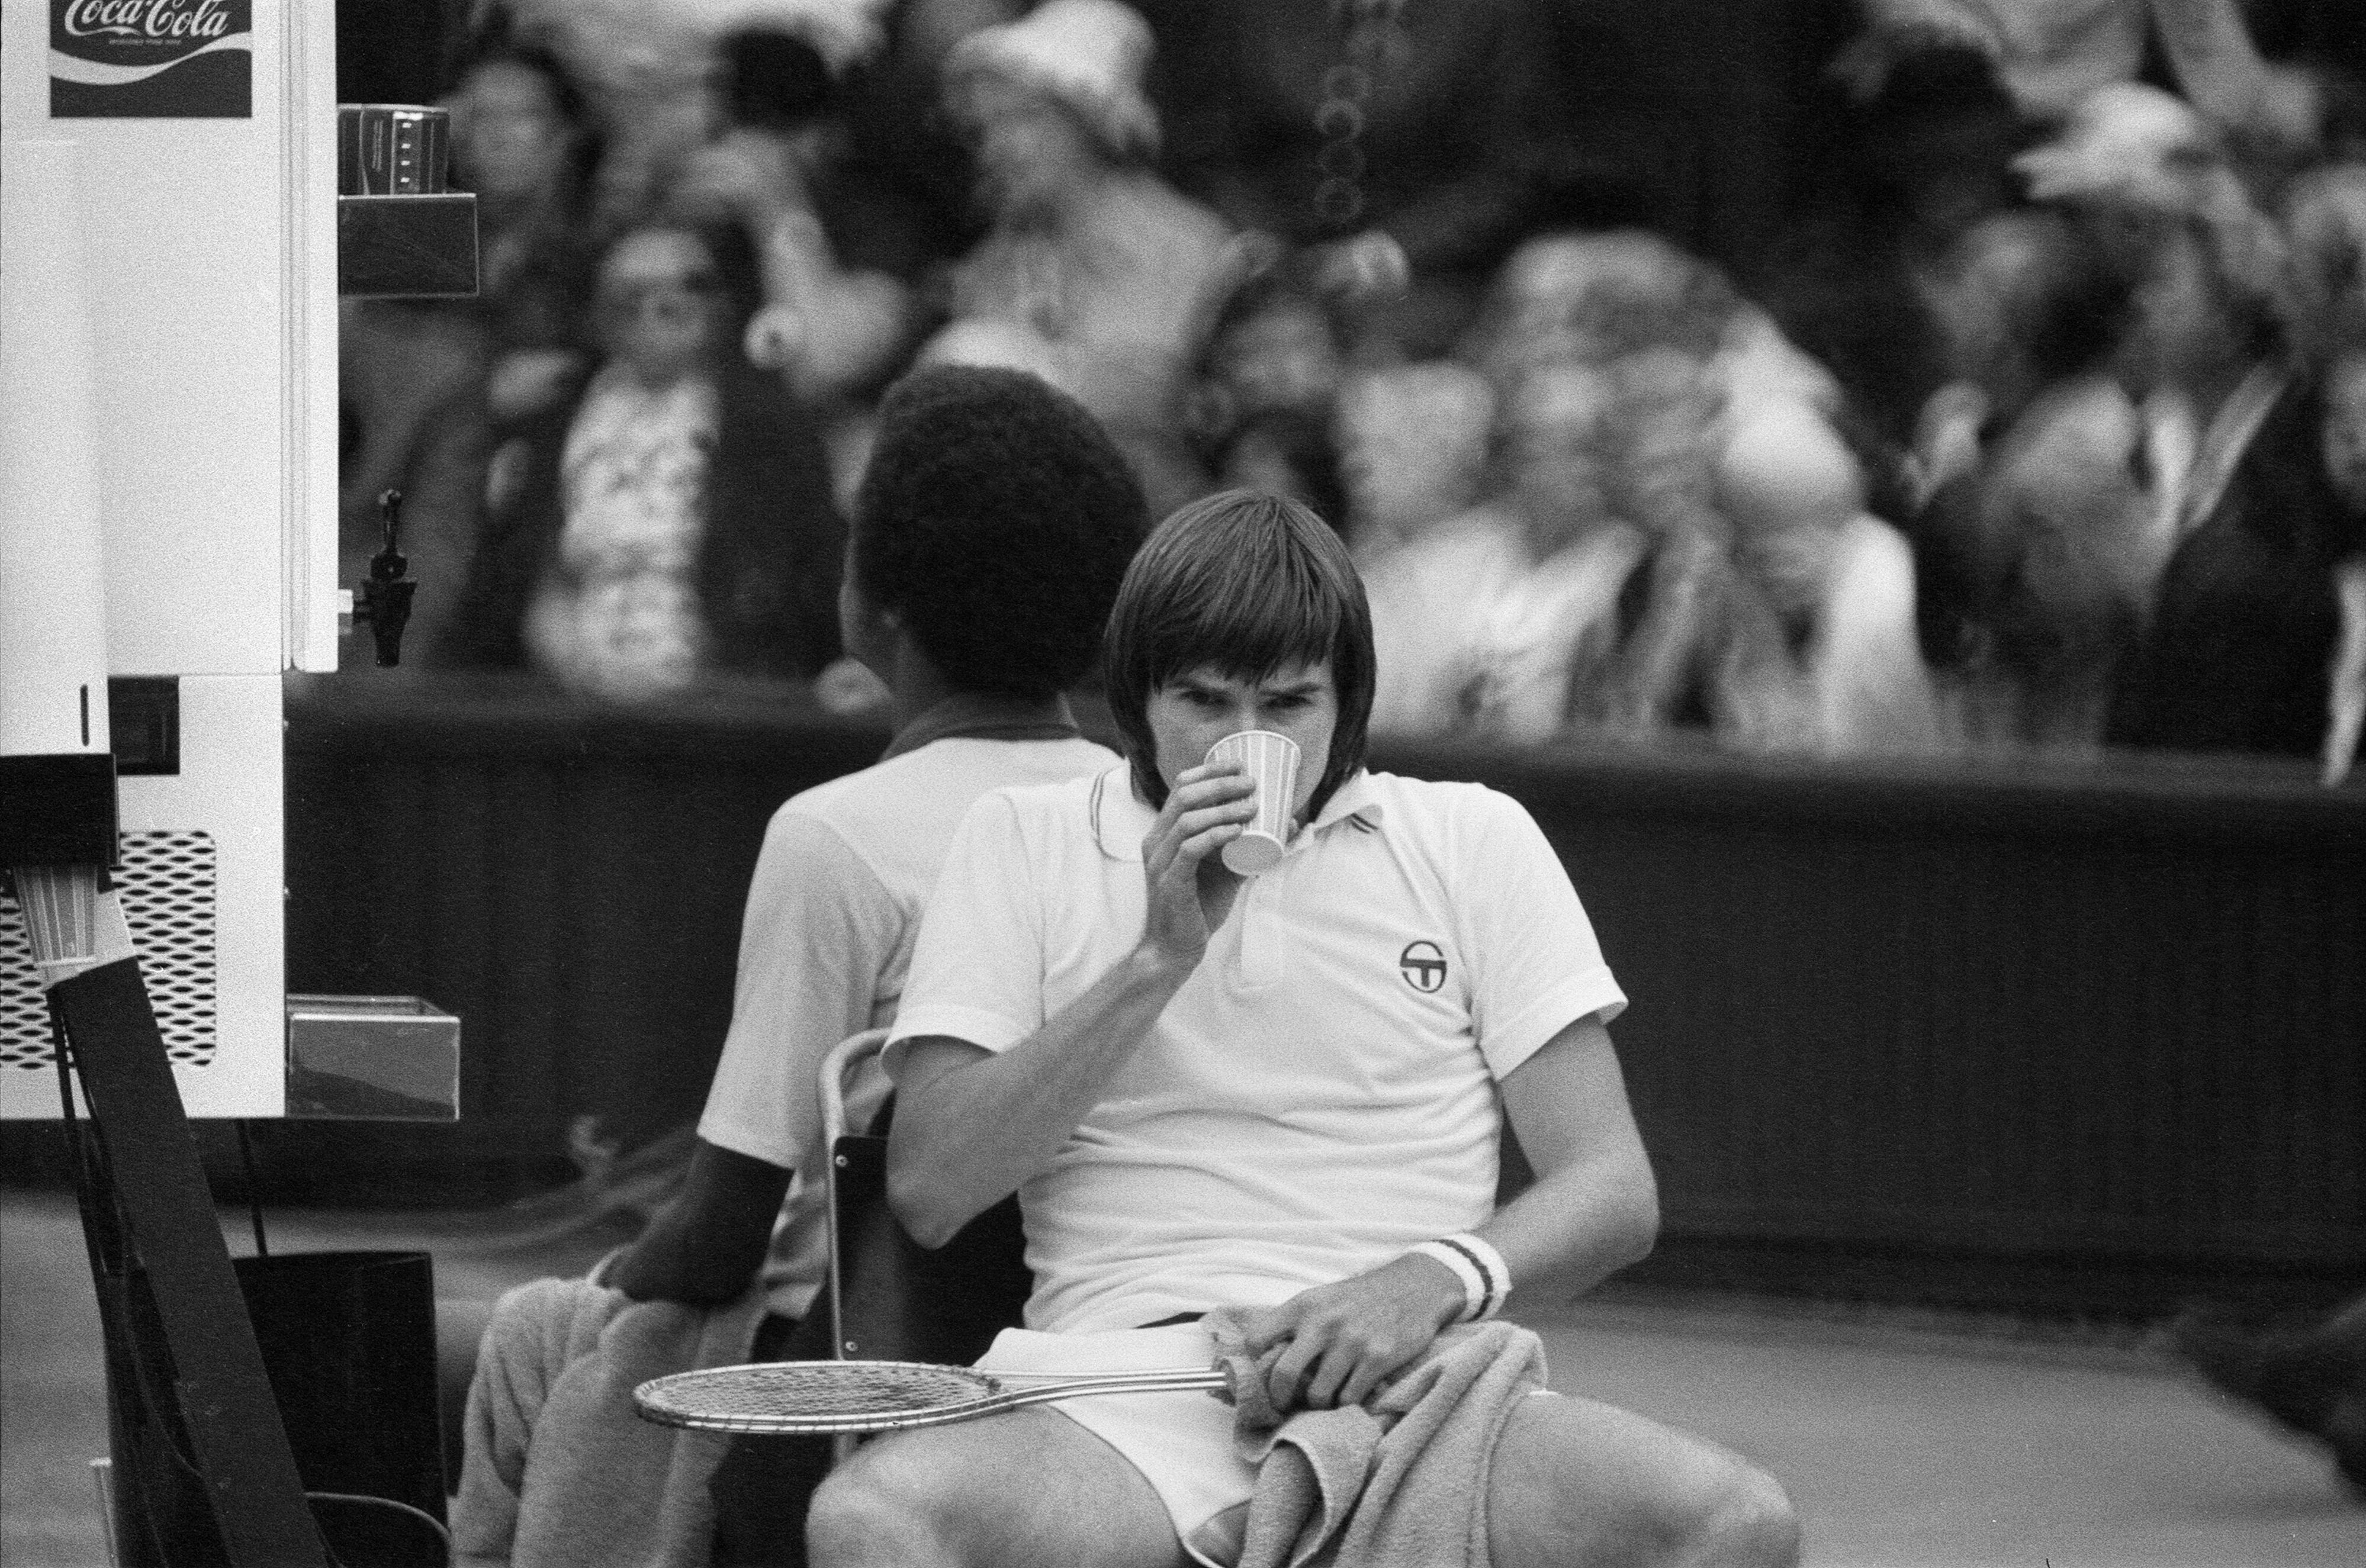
(822, 1398)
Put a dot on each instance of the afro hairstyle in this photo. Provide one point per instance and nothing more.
(997, 519)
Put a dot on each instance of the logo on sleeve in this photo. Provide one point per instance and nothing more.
(1423, 966)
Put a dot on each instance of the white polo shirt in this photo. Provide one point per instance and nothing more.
(1322, 1092)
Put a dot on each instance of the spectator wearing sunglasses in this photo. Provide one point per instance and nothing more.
(671, 524)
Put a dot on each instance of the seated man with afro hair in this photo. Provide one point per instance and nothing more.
(990, 533)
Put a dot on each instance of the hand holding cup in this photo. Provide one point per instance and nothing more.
(1189, 891)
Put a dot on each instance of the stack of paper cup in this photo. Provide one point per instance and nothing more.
(1271, 763)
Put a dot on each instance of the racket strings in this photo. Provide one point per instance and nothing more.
(825, 1391)
(860, 1396)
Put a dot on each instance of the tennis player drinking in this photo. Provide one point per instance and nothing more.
(1283, 1094)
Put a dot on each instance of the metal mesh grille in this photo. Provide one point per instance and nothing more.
(167, 886)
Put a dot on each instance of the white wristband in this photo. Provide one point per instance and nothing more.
(1480, 1267)
(1491, 1263)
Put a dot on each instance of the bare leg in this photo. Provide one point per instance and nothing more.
(1031, 1489)
(1578, 1480)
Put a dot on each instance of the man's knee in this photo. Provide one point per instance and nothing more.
(875, 1510)
(1030, 1488)
(1747, 1521)
(1575, 1480)
(1723, 1513)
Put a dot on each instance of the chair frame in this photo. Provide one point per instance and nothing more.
(890, 1298)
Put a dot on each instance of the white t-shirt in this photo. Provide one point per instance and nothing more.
(1322, 1092)
(1428, 596)
(1470, 634)
(832, 911)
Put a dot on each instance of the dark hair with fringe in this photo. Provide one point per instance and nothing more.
(1244, 583)
(996, 517)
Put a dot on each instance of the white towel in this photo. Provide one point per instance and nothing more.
(559, 1471)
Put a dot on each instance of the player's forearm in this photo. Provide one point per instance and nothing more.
(1575, 1228)
(705, 1246)
(970, 1135)
(665, 1264)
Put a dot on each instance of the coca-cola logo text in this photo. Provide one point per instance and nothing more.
(176, 20)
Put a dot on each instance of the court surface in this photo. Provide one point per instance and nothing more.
(1904, 1447)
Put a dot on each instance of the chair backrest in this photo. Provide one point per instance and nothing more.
(892, 1299)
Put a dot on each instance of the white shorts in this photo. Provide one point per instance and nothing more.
(1181, 1442)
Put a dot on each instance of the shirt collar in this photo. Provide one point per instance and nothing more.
(973, 715)
(1121, 819)
(1358, 797)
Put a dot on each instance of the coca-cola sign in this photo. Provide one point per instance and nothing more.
(152, 58)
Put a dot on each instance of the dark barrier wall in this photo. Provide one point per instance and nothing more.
(2091, 1035)
(568, 880)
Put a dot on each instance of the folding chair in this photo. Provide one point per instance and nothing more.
(892, 1299)
(887, 1298)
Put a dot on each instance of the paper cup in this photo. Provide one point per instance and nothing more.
(1271, 762)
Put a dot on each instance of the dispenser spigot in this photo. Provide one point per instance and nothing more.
(384, 597)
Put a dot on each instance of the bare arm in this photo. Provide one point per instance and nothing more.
(706, 1245)
(1594, 1210)
(971, 1125)
(1595, 1207)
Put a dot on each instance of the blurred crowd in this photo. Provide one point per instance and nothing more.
(2041, 425)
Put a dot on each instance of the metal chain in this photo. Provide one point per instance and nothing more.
(1375, 40)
